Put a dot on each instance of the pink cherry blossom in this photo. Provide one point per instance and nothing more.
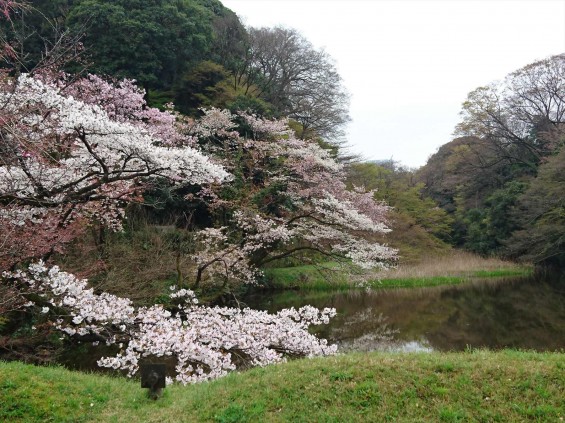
(207, 342)
(80, 153)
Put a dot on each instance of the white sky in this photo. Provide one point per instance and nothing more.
(409, 64)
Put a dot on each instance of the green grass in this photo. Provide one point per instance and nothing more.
(329, 277)
(506, 386)
(417, 282)
(429, 281)
(500, 273)
(323, 277)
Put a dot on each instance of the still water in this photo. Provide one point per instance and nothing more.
(525, 313)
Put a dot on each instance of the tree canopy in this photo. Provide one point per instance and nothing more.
(513, 136)
(540, 216)
(300, 81)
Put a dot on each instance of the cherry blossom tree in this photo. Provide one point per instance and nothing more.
(292, 199)
(78, 153)
(205, 342)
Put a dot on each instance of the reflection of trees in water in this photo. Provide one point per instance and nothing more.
(375, 332)
(519, 313)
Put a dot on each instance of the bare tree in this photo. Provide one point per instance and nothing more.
(522, 117)
(31, 41)
(231, 42)
(282, 67)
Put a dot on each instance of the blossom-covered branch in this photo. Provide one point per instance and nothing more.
(292, 198)
(206, 342)
(80, 152)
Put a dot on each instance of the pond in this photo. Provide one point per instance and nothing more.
(524, 313)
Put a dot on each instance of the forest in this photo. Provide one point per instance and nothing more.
(159, 160)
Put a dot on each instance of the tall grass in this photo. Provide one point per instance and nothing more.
(453, 268)
(456, 263)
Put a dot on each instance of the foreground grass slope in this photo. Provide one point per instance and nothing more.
(474, 386)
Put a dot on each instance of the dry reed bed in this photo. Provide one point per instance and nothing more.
(456, 263)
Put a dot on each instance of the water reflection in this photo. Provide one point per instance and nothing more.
(413, 346)
(527, 313)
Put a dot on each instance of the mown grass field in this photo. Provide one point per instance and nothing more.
(506, 386)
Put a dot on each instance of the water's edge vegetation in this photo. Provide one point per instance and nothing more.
(457, 268)
(470, 386)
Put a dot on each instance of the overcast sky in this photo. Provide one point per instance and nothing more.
(409, 64)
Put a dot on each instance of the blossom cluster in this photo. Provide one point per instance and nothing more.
(306, 205)
(262, 127)
(78, 153)
(207, 342)
(82, 152)
(6, 7)
(214, 122)
(123, 101)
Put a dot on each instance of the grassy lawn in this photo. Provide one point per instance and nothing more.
(456, 268)
(506, 386)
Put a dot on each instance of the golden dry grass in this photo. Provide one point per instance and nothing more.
(454, 263)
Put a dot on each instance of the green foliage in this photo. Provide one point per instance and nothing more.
(273, 199)
(399, 188)
(489, 227)
(512, 131)
(478, 201)
(499, 204)
(251, 104)
(478, 239)
(205, 85)
(152, 42)
(182, 51)
(540, 216)
(159, 98)
(372, 176)
(33, 29)
(418, 224)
